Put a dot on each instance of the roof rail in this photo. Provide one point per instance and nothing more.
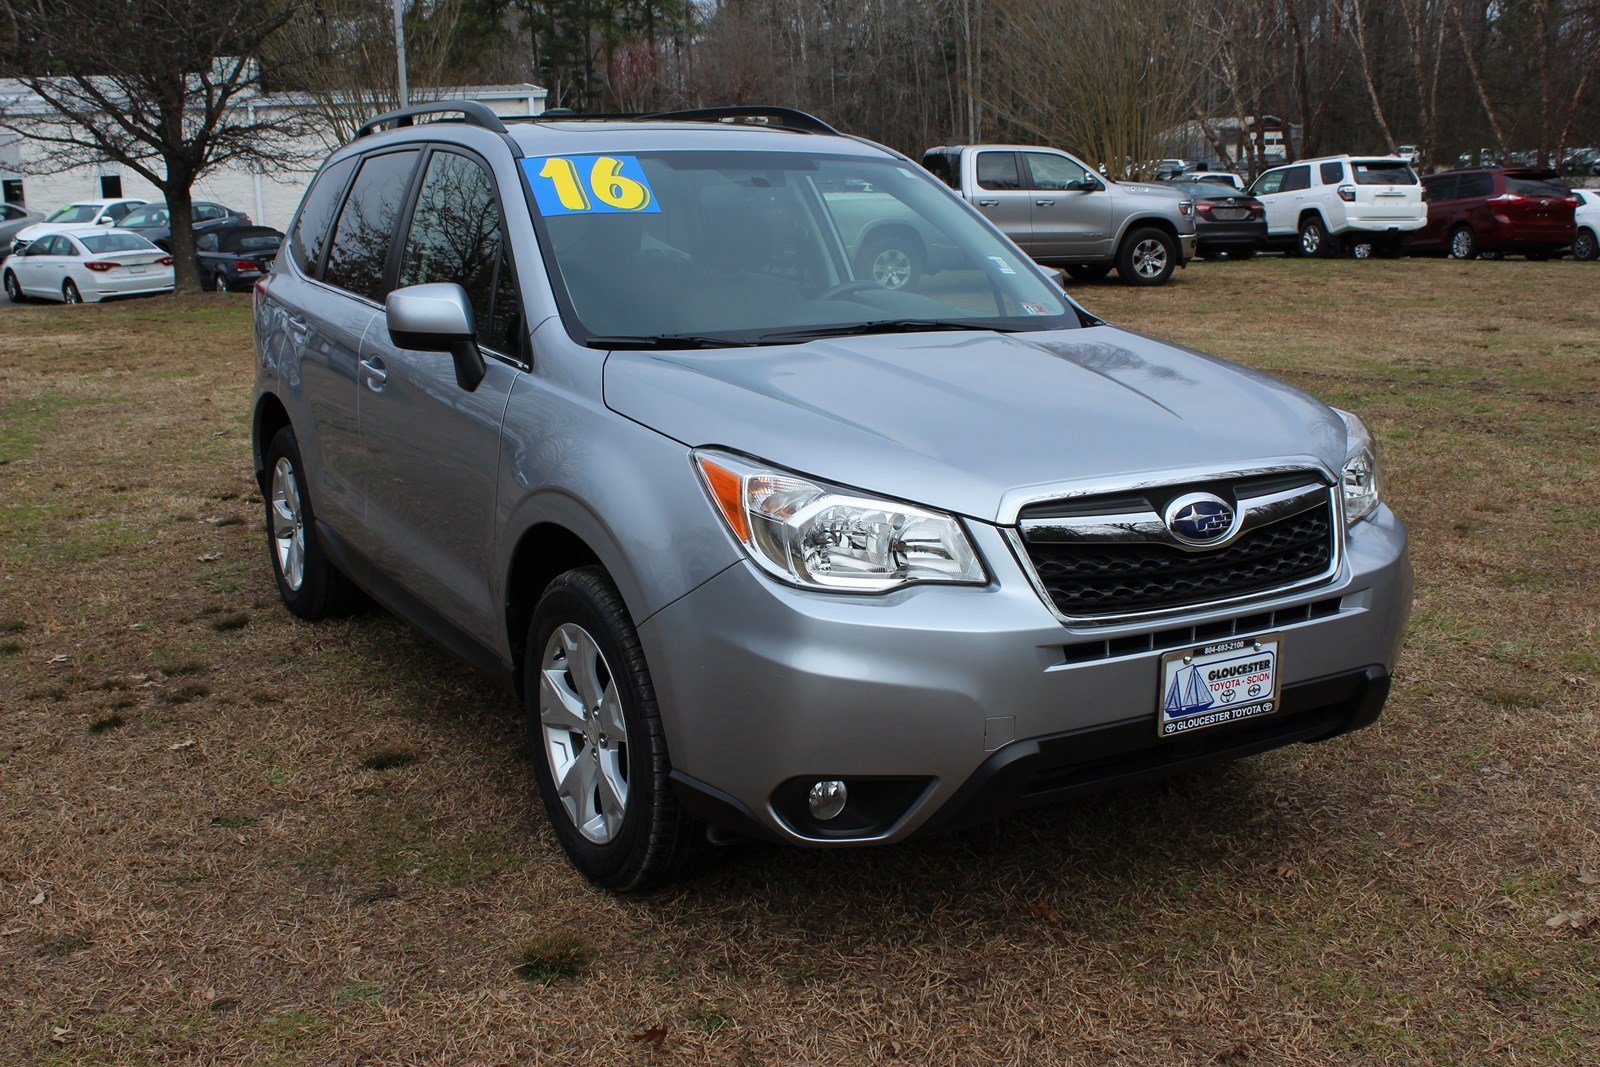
(786, 118)
(471, 111)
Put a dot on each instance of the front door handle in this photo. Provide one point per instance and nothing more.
(298, 329)
(1044, 203)
(988, 203)
(372, 370)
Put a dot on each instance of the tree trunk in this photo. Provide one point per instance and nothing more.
(180, 210)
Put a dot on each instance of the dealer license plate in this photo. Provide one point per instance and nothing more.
(1223, 682)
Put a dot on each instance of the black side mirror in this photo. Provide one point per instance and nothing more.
(437, 318)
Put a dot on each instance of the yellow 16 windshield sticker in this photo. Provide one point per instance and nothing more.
(579, 185)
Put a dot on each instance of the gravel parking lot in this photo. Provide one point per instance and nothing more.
(229, 837)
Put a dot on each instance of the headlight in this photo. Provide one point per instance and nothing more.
(1360, 477)
(819, 536)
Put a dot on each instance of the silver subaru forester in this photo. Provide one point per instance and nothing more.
(772, 537)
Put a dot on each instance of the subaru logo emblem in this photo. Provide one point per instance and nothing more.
(1200, 519)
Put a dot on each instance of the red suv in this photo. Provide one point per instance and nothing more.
(1494, 210)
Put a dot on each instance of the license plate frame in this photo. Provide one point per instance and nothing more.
(1185, 678)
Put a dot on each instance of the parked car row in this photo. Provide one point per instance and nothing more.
(88, 263)
(150, 220)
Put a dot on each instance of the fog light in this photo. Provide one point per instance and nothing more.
(827, 800)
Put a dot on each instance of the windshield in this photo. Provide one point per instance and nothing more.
(100, 243)
(149, 215)
(746, 247)
(75, 213)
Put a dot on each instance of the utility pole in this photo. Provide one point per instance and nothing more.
(400, 49)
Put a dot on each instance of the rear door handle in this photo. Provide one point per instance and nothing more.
(298, 328)
(372, 370)
(1044, 203)
(988, 203)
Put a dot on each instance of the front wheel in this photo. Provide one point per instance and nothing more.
(216, 284)
(1586, 248)
(1147, 257)
(1313, 237)
(13, 289)
(599, 751)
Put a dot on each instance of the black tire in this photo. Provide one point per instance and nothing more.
(892, 260)
(1088, 272)
(1463, 243)
(1243, 252)
(216, 284)
(1314, 239)
(1586, 248)
(323, 592)
(657, 842)
(1140, 262)
(14, 289)
(69, 292)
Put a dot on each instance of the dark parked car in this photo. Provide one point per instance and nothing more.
(234, 257)
(1226, 220)
(1493, 210)
(154, 223)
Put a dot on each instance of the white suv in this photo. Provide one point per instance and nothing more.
(1317, 207)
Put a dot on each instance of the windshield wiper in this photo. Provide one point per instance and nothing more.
(854, 329)
(666, 340)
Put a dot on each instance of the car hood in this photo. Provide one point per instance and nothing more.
(956, 421)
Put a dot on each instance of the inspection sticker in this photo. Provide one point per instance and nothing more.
(589, 185)
(1218, 683)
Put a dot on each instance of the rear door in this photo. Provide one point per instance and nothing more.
(997, 192)
(431, 449)
(1071, 210)
(1439, 193)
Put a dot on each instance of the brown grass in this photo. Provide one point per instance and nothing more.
(223, 878)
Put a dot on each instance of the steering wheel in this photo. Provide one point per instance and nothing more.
(845, 288)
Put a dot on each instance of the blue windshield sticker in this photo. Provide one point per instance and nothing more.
(589, 185)
(1001, 265)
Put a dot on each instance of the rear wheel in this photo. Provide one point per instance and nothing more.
(1148, 257)
(1088, 272)
(1585, 248)
(1362, 250)
(308, 582)
(893, 261)
(69, 292)
(216, 283)
(599, 751)
(1463, 243)
(13, 289)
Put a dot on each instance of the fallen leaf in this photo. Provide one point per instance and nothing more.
(210, 557)
(1573, 920)
(187, 742)
(1589, 878)
(58, 659)
(37, 900)
(652, 1035)
(58, 1034)
(1041, 910)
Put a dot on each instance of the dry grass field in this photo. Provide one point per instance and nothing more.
(229, 837)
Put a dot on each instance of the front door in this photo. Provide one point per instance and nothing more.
(432, 448)
(1071, 208)
(998, 193)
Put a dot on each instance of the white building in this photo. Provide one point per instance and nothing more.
(269, 197)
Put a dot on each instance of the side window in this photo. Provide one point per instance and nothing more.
(206, 243)
(8, 213)
(455, 236)
(116, 211)
(364, 233)
(1441, 188)
(1332, 173)
(1479, 184)
(1270, 182)
(207, 213)
(1050, 171)
(1295, 179)
(308, 237)
(998, 170)
(505, 313)
(942, 165)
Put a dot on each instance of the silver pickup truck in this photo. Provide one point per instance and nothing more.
(1064, 214)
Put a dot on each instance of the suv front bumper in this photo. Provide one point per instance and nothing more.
(956, 703)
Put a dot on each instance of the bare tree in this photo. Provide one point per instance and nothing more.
(168, 110)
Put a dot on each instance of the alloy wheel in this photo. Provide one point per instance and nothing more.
(1461, 244)
(1149, 258)
(1311, 240)
(69, 293)
(585, 734)
(13, 291)
(1584, 247)
(288, 525)
(891, 268)
(1362, 250)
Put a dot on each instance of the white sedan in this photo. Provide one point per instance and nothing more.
(75, 267)
(78, 213)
